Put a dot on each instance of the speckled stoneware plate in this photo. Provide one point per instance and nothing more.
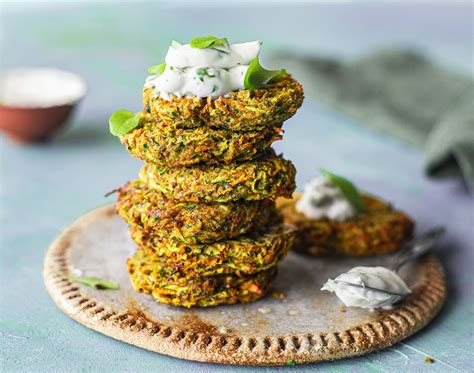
(306, 326)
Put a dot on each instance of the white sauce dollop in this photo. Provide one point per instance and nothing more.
(321, 199)
(222, 56)
(40, 87)
(210, 72)
(376, 277)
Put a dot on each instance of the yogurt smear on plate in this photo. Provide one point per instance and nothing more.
(207, 72)
(392, 287)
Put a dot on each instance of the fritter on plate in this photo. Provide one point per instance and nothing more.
(380, 230)
(245, 110)
(196, 291)
(246, 254)
(186, 147)
(267, 177)
(190, 221)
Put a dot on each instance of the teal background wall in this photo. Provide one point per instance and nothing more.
(45, 187)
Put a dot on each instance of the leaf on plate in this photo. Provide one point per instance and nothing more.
(93, 282)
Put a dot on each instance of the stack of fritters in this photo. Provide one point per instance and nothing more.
(202, 211)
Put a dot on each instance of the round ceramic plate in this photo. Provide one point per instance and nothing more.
(306, 325)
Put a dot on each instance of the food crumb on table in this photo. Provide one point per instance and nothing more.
(429, 360)
(264, 310)
(278, 295)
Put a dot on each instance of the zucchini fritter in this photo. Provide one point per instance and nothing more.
(246, 254)
(190, 221)
(245, 110)
(381, 230)
(196, 291)
(186, 147)
(267, 177)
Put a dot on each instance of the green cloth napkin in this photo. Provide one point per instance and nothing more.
(403, 94)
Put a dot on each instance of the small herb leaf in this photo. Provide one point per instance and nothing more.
(93, 282)
(204, 72)
(280, 74)
(348, 190)
(223, 183)
(204, 42)
(175, 44)
(257, 76)
(157, 69)
(291, 362)
(123, 121)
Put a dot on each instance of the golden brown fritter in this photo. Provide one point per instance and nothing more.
(243, 255)
(188, 291)
(266, 177)
(381, 230)
(186, 147)
(190, 221)
(245, 110)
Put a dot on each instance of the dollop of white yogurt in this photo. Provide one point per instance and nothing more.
(222, 56)
(321, 199)
(209, 72)
(393, 288)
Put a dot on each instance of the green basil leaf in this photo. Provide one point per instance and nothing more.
(175, 44)
(157, 69)
(93, 282)
(207, 42)
(123, 121)
(280, 74)
(291, 362)
(257, 76)
(348, 190)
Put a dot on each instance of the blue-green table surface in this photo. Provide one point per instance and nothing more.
(45, 187)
